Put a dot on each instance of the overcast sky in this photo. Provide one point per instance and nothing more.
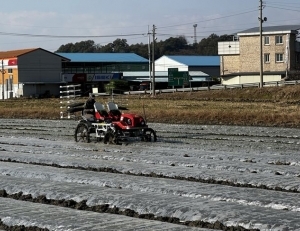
(50, 24)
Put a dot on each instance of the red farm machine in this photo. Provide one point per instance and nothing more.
(110, 125)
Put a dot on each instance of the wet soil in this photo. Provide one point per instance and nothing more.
(259, 148)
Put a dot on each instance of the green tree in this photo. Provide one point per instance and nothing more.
(117, 46)
(209, 45)
(66, 48)
(87, 46)
(116, 86)
(140, 49)
(120, 46)
(171, 46)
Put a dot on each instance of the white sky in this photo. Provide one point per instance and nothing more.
(108, 20)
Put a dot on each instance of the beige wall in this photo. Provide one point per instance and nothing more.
(248, 59)
(230, 64)
(249, 79)
(250, 54)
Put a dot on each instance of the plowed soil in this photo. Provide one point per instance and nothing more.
(195, 177)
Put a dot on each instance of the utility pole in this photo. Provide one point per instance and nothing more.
(2, 71)
(153, 62)
(260, 44)
(287, 55)
(149, 58)
(261, 20)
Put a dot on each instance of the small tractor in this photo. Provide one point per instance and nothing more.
(111, 126)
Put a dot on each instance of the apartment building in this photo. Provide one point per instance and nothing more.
(240, 58)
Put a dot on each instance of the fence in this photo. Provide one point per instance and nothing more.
(68, 95)
(216, 87)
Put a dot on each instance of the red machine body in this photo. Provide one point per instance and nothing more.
(112, 125)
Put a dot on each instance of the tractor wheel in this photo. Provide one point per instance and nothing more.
(109, 137)
(149, 135)
(99, 139)
(82, 133)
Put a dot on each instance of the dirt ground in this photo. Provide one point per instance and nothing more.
(204, 176)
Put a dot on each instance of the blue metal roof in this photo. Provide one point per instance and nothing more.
(195, 60)
(104, 57)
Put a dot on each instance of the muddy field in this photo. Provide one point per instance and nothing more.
(192, 178)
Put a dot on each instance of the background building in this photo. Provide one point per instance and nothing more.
(94, 70)
(30, 72)
(209, 65)
(201, 70)
(40, 73)
(240, 59)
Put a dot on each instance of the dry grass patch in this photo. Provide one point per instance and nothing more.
(272, 106)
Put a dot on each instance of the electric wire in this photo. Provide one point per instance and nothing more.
(275, 5)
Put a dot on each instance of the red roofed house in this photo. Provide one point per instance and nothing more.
(30, 72)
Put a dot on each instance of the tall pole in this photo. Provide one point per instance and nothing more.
(287, 55)
(153, 62)
(260, 44)
(195, 33)
(149, 57)
(2, 71)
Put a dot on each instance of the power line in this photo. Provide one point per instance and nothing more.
(161, 28)
(68, 36)
(207, 20)
(284, 4)
(281, 8)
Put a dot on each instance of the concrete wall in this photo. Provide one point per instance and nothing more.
(249, 79)
(39, 66)
(38, 90)
(230, 64)
(229, 48)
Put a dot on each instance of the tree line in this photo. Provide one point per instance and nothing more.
(171, 46)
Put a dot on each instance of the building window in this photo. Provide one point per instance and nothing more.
(279, 58)
(10, 83)
(267, 58)
(267, 40)
(9, 70)
(278, 39)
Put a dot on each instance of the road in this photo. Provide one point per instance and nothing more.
(195, 177)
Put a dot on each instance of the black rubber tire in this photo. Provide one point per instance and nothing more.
(75, 109)
(149, 135)
(110, 138)
(82, 133)
(99, 139)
